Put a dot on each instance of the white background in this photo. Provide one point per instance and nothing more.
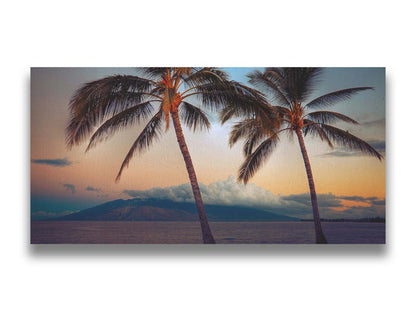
(213, 278)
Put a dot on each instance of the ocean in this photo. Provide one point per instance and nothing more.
(143, 232)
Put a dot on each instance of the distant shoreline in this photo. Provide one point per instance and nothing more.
(365, 220)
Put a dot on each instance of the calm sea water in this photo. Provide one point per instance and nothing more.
(125, 232)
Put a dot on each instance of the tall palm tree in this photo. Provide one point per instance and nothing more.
(288, 91)
(119, 101)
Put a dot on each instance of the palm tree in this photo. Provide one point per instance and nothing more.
(119, 101)
(289, 89)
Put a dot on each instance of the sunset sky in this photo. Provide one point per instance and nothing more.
(65, 180)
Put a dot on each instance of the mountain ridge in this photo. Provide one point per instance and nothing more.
(166, 210)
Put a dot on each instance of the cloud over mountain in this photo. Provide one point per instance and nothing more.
(229, 192)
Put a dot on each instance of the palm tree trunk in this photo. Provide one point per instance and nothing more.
(206, 231)
(320, 238)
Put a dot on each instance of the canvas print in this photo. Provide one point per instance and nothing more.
(206, 155)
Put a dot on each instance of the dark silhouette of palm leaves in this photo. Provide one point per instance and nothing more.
(150, 133)
(288, 89)
(98, 100)
(346, 139)
(121, 120)
(326, 117)
(334, 97)
(255, 159)
(101, 108)
(193, 117)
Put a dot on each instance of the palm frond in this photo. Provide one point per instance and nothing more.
(126, 118)
(266, 117)
(300, 82)
(227, 113)
(206, 75)
(109, 94)
(242, 129)
(254, 161)
(269, 84)
(315, 129)
(329, 117)
(181, 72)
(99, 99)
(349, 141)
(335, 97)
(150, 133)
(281, 111)
(215, 96)
(78, 128)
(153, 72)
(252, 140)
(276, 75)
(286, 85)
(193, 117)
(253, 130)
(247, 103)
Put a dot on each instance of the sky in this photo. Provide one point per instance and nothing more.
(64, 181)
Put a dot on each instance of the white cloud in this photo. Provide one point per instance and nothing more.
(227, 192)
